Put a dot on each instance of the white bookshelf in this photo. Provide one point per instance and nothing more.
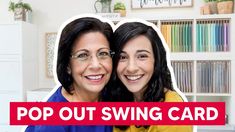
(194, 56)
(197, 56)
(226, 128)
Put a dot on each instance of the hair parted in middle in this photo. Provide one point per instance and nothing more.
(161, 78)
(70, 33)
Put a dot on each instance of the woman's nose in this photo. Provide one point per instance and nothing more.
(132, 66)
(94, 62)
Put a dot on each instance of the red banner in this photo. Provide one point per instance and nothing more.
(117, 113)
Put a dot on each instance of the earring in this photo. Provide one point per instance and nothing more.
(69, 71)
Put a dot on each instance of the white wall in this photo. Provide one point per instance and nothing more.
(48, 15)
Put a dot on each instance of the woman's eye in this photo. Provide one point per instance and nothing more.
(82, 56)
(104, 54)
(122, 57)
(142, 56)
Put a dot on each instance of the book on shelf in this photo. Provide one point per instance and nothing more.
(178, 35)
(213, 77)
(183, 75)
(212, 35)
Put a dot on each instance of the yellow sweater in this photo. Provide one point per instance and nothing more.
(170, 96)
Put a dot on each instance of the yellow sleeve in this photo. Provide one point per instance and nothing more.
(172, 96)
(157, 129)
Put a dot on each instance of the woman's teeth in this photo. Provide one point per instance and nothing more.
(133, 77)
(94, 77)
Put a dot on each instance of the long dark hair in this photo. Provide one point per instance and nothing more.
(70, 33)
(161, 78)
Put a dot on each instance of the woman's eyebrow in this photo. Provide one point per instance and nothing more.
(84, 50)
(123, 51)
(103, 48)
(143, 51)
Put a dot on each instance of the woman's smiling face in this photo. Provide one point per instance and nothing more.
(136, 64)
(91, 63)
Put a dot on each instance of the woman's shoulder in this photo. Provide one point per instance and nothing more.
(44, 128)
(57, 96)
(172, 96)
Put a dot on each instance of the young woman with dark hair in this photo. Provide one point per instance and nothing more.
(84, 67)
(141, 72)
